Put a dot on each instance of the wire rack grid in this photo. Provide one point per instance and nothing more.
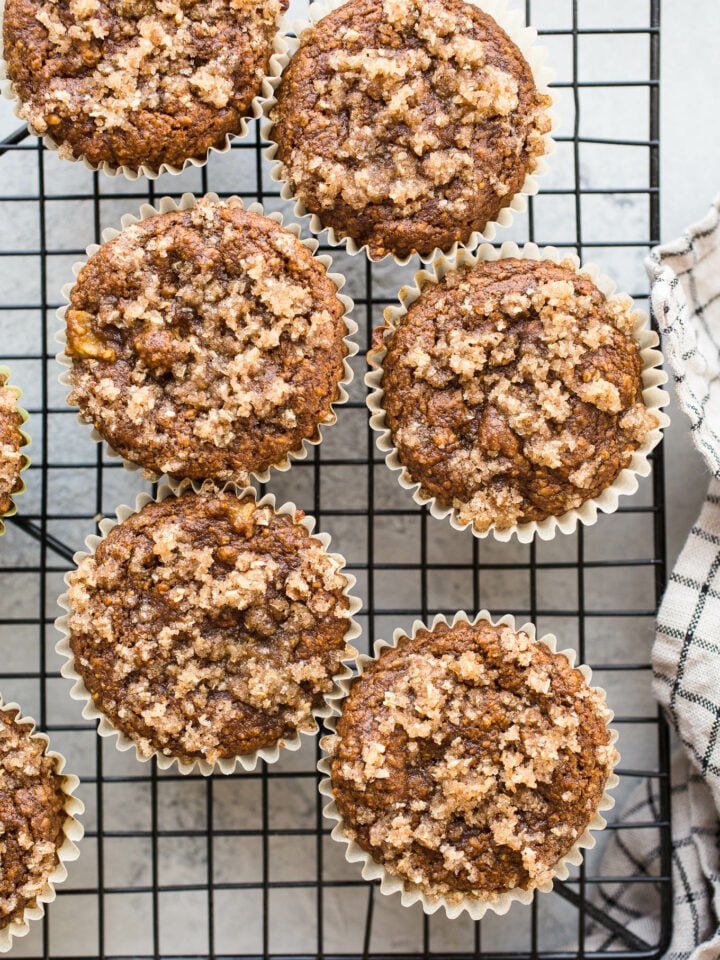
(243, 866)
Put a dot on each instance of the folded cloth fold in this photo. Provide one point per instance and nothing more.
(695, 869)
(685, 303)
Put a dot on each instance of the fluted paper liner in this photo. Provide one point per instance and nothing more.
(511, 21)
(267, 87)
(67, 851)
(24, 444)
(625, 484)
(187, 202)
(409, 893)
(226, 765)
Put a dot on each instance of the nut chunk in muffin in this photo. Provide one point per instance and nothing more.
(408, 124)
(206, 626)
(468, 760)
(32, 817)
(514, 391)
(133, 82)
(206, 343)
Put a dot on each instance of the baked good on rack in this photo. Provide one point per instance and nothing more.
(32, 817)
(513, 390)
(408, 124)
(12, 459)
(138, 82)
(468, 760)
(206, 343)
(206, 626)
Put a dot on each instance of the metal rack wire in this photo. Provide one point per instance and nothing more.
(243, 866)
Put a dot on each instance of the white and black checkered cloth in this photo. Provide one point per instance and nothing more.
(685, 301)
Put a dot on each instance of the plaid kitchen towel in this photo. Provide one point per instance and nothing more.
(685, 301)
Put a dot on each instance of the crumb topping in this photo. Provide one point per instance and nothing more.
(427, 104)
(131, 70)
(205, 343)
(208, 627)
(31, 818)
(469, 760)
(513, 391)
(12, 459)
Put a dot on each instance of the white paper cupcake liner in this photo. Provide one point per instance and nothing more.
(68, 851)
(410, 894)
(625, 484)
(24, 444)
(225, 765)
(511, 21)
(275, 67)
(187, 202)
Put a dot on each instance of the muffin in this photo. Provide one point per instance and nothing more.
(12, 439)
(408, 125)
(133, 82)
(36, 821)
(208, 626)
(206, 343)
(513, 391)
(469, 761)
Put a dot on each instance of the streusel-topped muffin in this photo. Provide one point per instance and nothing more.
(207, 626)
(12, 459)
(134, 82)
(206, 343)
(468, 760)
(513, 390)
(32, 817)
(408, 124)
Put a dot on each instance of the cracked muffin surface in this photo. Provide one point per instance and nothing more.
(469, 759)
(132, 82)
(32, 817)
(207, 626)
(514, 390)
(408, 124)
(206, 343)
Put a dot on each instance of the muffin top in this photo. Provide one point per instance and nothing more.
(12, 460)
(469, 759)
(137, 81)
(207, 626)
(31, 817)
(205, 342)
(514, 392)
(408, 124)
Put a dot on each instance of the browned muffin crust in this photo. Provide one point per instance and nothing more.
(513, 391)
(138, 82)
(206, 342)
(12, 460)
(408, 124)
(31, 817)
(206, 626)
(469, 759)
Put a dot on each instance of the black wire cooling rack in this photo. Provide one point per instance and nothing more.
(244, 866)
